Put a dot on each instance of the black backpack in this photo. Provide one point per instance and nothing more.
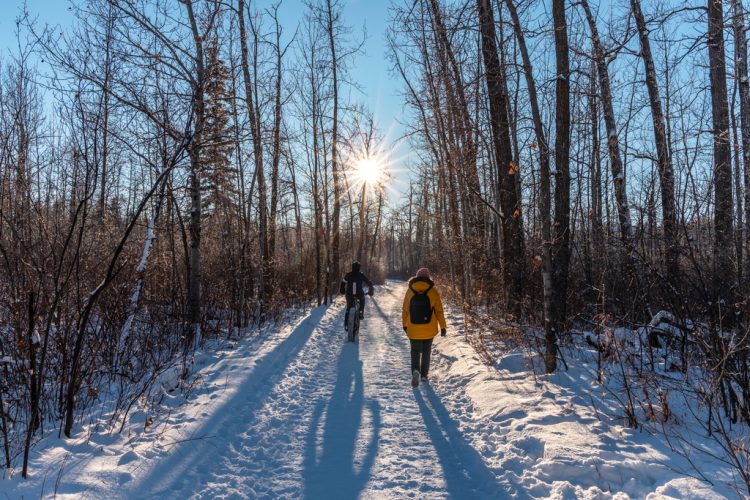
(420, 309)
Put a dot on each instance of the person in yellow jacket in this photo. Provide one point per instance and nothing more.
(421, 314)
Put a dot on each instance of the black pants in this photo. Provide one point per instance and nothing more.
(350, 303)
(420, 355)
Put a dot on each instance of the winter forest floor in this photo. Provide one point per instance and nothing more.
(297, 412)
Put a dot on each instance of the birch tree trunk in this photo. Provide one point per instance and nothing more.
(595, 172)
(740, 54)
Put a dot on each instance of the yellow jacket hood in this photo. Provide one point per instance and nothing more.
(421, 284)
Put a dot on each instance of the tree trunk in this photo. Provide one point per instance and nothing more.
(376, 232)
(194, 277)
(317, 204)
(740, 54)
(664, 160)
(337, 194)
(362, 225)
(513, 242)
(548, 289)
(561, 241)
(724, 279)
(105, 114)
(737, 166)
(465, 149)
(257, 149)
(4, 425)
(275, 160)
(34, 386)
(447, 158)
(618, 176)
(595, 171)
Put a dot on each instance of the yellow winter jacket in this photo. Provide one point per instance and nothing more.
(427, 330)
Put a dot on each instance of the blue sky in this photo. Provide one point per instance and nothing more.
(370, 69)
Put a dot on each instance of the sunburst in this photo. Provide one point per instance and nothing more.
(372, 165)
(370, 170)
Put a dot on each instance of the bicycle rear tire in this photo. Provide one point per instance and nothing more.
(352, 326)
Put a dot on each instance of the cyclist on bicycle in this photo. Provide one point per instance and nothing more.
(353, 286)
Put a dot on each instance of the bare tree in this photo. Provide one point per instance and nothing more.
(664, 161)
(255, 130)
(561, 242)
(511, 217)
(724, 282)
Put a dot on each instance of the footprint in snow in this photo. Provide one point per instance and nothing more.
(128, 457)
(531, 446)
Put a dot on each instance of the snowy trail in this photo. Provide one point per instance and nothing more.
(295, 411)
(320, 418)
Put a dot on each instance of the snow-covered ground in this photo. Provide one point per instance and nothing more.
(298, 412)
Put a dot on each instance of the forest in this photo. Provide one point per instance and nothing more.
(173, 171)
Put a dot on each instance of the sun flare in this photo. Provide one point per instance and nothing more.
(370, 165)
(369, 170)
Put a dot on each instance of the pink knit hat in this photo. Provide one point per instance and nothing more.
(423, 273)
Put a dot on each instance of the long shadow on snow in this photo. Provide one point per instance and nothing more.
(379, 309)
(466, 475)
(187, 457)
(333, 472)
(372, 305)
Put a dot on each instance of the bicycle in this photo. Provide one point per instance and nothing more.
(352, 329)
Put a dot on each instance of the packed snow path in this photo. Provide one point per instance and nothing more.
(294, 411)
(322, 418)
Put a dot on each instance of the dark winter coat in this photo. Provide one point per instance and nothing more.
(354, 283)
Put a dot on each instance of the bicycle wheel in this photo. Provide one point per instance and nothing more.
(351, 326)
(356, 326)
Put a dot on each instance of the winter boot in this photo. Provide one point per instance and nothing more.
(415, 378)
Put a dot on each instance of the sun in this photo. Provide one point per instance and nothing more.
(369, 170)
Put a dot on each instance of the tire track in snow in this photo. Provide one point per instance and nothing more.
(190, 465)
(322, 418)
(423, 452)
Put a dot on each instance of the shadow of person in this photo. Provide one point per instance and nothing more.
(466, 474)
(191, 455)
(337, 467)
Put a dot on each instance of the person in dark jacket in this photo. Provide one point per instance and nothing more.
(422, 314)
(353, 285)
